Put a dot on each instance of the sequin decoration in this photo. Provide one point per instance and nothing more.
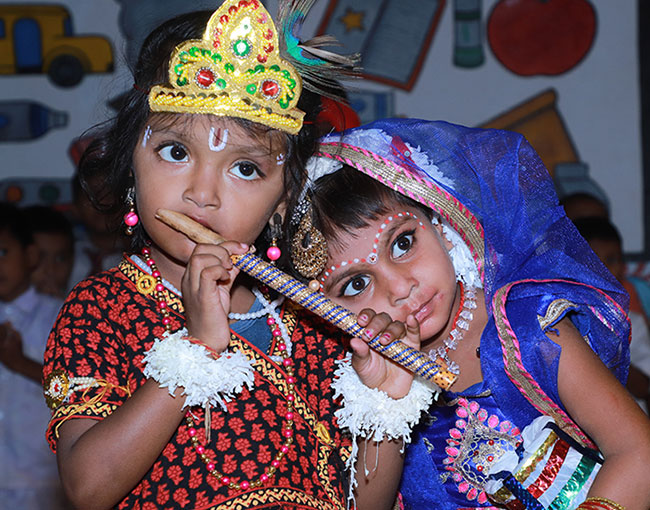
(235, 71)
(477, 440)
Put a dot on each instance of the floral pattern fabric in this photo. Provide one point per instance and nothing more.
(102, 333)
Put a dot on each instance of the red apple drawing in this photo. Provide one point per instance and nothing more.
(548, 37)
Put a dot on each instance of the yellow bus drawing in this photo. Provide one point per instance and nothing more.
(37, 38)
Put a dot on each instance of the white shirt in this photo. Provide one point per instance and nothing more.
(640, 347)
(25, 458)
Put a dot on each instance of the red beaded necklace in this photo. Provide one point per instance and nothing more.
(287, 363)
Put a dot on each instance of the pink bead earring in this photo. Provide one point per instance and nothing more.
(131, 218)
(273, 252)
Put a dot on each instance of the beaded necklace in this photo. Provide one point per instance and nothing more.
(283, 344)
(461, 323)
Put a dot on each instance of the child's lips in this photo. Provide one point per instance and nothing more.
(424, 311)
(202, 221)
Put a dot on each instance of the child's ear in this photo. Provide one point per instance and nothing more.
(443, 238)
(281, 209)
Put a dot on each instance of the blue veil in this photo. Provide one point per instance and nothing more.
(492, 188)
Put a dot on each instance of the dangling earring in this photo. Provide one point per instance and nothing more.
(273, 252)
(308, 247)
(131, 218)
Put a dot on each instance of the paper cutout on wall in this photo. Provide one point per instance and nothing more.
(392, 40)
(468, 33)
(36, 191)
(27, 120)
(533, 37)
(38, 38)
(539, 120)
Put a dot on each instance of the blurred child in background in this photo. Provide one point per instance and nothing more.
(28, 472)
(605, 240)
(53, 237)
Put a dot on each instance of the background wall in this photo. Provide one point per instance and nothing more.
(598, 100)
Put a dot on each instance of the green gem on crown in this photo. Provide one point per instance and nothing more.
(241, 48)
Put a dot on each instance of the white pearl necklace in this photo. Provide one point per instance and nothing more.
(268, 308)
(461, 325)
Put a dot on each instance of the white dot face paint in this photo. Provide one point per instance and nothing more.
(372, 257)
(279, 159)
(217, 135)
(146, 136)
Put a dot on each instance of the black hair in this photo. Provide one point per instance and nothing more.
(348, 199)
(14, 221)
(106, 165)
(597, 228)
(44, 219)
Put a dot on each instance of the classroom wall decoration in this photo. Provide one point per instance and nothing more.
(40, 38)
(22, 121)
(392, 36)
(534, 37)
(432, 59)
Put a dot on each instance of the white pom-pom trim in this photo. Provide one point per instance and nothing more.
(174, 362)
(372, 414)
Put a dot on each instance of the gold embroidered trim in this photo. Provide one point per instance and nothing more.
(517, 373)
(554, 311)
(93, 407)
(142, 280)
(273, 496)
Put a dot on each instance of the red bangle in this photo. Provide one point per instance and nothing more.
(196, 341)
(596, 503)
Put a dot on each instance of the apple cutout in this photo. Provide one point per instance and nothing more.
(548, 37)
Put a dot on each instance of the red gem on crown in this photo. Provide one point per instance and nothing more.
(204, 77)
(270, 89)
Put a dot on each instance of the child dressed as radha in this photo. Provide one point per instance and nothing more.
(459, 231)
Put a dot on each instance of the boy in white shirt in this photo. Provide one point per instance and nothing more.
(28, 473)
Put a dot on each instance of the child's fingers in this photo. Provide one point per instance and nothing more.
(210, 263)
(382, 326)
(364, 316)
(412, 337)
(360, 348)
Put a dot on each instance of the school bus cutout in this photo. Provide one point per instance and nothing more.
(37, 38)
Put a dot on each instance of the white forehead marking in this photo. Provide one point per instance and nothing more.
(146, 136)
(372, 257)
(223, 136)
(279, 159)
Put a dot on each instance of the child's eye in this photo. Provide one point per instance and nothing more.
(3, 252)
(402, 244)
(173, 153)
(355, 286)
(246, 170)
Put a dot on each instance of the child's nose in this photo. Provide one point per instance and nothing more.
(203, 188)
(401, 285)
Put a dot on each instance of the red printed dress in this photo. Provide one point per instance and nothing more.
(93, 362)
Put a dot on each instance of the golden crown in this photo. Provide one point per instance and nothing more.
(234, 71)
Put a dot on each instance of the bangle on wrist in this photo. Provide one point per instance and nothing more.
(176, 361)
(372, 414)
(597, 503)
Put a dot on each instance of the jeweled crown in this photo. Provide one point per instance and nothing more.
(235, 71)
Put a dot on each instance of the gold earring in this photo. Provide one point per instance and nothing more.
(308, 248)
